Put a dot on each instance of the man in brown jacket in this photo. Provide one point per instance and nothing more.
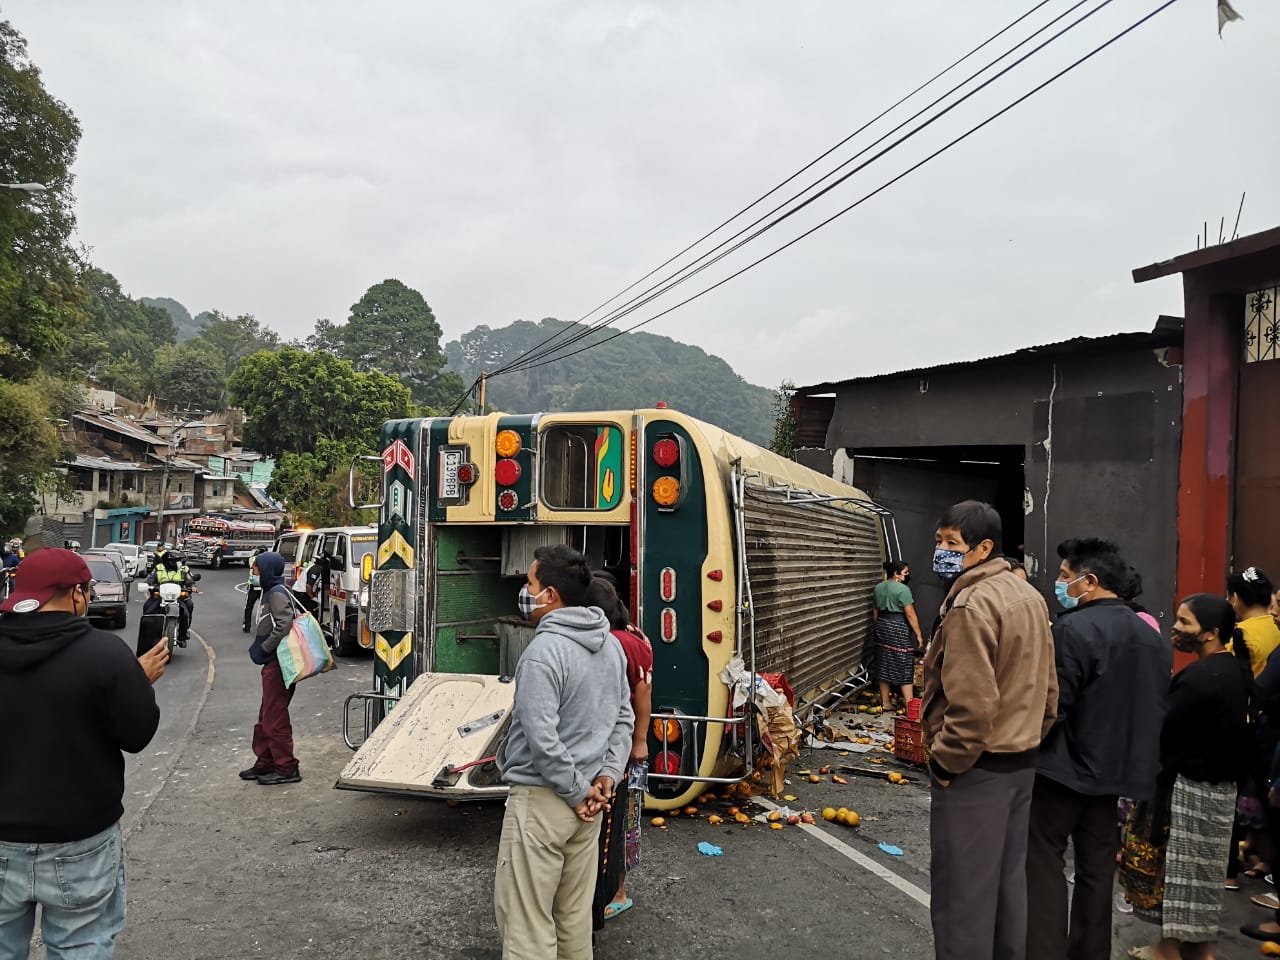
(991, 694)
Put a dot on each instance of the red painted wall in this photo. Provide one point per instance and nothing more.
(1210, 371)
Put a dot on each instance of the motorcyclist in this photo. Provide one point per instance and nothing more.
(168, 569)
(8, 567)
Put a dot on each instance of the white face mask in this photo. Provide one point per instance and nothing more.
(528, 603)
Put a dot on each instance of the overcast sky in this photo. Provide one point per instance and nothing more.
(521, 160)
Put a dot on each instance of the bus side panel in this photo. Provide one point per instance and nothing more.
(398, 544)
(675, 545)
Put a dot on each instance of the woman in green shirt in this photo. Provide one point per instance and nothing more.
(897, 633)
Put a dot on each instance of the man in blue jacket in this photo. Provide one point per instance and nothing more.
(1113, 678)
(71, 699)
(569, 742)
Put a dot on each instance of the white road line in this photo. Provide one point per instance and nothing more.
(861, 859)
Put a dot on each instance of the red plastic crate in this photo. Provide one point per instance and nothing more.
(908, 741)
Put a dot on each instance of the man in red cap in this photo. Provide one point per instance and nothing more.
(71, 699)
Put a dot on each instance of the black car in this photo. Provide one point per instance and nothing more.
(109, 597)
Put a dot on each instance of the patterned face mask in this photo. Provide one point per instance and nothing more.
(948, 564)
(528, 603)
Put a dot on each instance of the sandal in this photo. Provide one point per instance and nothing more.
(613, 909)
(1229, 884)
(1268, 900)
(1258, 872)
(1254, 931)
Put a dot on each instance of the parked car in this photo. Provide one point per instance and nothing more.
(115, 557)
(135, 559)
(109, 597)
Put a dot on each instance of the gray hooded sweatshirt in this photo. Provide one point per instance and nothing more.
(572, 718)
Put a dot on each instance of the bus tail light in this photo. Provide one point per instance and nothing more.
(468, 474)
(508, 501)
(715, 606)
(668, 625)
(507, 444)
(666, 729)
(507, 473)
(666, 491)
(667, 584)
(666, 453)
(715, 636)
(366, 567)
(667, 763)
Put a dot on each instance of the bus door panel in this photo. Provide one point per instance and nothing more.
(443, 722)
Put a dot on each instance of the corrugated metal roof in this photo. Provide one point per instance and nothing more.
(106, 421)
(1167, 333)
(104, 463)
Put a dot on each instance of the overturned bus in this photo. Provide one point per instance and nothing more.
(722, 549)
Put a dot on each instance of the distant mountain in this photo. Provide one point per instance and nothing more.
(182, 319)
(633, 370)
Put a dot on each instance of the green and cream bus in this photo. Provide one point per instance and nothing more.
(729, 556)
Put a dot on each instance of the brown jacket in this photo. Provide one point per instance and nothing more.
(991, 687)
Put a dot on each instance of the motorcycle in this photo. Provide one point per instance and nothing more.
(168, 616)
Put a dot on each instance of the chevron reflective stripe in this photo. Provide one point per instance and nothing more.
(398, 455)
(395, 546)
(393, 656)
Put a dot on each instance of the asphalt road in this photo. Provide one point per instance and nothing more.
(221, 868)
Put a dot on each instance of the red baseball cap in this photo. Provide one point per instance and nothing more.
(42, 576)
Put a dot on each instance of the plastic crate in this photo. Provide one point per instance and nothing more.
(908, 741)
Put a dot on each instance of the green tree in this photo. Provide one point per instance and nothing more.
(188, 375)
(39, 301)
(118, 328)
(233, 338)
(29, 444)
(314, 484)
(392, 330)
(185, 325)
(294, 399)
(633, 370)
(784, 424)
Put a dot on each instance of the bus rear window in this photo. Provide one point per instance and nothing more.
(582, 467)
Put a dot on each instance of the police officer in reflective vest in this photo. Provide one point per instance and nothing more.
(168, 569)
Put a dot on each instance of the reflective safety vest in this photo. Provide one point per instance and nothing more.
(165, 575)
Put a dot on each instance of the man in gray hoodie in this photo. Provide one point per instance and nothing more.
(569, 741)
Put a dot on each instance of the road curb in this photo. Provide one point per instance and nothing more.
(136, 821)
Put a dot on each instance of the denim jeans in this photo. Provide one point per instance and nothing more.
(80, 888)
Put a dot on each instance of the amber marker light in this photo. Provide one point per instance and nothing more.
(666, 491)
(508, 443)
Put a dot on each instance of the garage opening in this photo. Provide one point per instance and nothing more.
(918, 483)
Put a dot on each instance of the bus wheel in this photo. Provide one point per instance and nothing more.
(216, 562)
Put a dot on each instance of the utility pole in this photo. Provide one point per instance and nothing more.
(164, 481)
(484, 379)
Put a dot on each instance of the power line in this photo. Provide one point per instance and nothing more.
(943, 149)
(538, 348)
(697, 266)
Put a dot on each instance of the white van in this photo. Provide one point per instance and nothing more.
(347, 547)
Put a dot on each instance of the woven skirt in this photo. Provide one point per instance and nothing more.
(1200, 820)
(895, 650)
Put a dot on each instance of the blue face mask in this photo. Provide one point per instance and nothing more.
(948, 564)
(1060, 588)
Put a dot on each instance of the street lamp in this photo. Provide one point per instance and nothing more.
(26, 187)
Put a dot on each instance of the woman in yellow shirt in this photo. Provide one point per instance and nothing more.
(1249, 593)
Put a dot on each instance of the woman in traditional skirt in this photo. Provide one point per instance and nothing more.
(898, 637)
(1203, 757)
(620, 832)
